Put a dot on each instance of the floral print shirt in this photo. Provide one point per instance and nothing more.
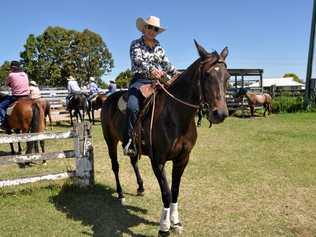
(144, 58)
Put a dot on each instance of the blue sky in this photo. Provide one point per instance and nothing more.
(269, 34)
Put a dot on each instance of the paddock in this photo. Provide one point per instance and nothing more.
(246, 177)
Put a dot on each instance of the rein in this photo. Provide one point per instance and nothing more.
(175, 98)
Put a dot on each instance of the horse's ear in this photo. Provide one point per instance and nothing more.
(224, 53)
(202, 52)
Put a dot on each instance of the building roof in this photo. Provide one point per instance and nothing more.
(279, 82)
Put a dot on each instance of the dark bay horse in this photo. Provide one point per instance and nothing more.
(256, 99)
(95, 104)
(173, 133)
(27, 116)
(79, 104)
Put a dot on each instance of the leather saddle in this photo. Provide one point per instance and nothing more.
(146, 90)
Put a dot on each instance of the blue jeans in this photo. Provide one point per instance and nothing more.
(135, 98)
(4, 104)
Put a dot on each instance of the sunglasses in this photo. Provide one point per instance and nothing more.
(154, 28)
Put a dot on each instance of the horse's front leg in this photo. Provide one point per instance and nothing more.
(89, 111)
(200, 116)
(92, 112)
(83, 114)
(112, 149)
(177, 171)
(265, 109)
(140, 189)
(160, 174)
(70, 113)
(77, 114)
(252, 110)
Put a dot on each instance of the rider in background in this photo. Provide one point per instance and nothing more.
(35, 92)
(93, 88)
(73, 88)
(111, 88)
(18, 82)
(148, 63)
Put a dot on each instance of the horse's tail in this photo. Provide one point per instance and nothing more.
(37, 118)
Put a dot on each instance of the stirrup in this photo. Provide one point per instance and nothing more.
(128, 150)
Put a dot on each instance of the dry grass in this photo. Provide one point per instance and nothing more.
(246, 177)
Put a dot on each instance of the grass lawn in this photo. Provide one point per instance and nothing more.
(246, 177)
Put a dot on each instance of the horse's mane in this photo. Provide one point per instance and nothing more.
(185, 75)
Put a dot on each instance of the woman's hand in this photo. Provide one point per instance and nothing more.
(157, 74)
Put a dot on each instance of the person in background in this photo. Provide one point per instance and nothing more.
(35, 92)
(73, 88)
(111, 88)
(93, 88)
(148, 63)
(18, 82)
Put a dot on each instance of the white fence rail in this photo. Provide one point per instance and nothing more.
(82, 152)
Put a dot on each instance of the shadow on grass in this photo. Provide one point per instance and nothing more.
(97, 207)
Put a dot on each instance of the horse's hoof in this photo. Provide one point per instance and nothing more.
(21, 165)
(122, 200)
(163, 233)
(44, 163)
(140, 192)
(177, 228)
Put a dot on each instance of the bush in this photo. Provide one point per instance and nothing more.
(288, 104)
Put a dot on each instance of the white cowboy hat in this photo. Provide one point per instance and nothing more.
(71, 78)
(92, 79)
(33, 83)
(152, 20)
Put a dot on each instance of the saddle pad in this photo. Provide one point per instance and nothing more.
(94, 97)
(122, 103)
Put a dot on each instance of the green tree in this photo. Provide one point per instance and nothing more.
(123, 79)
(103, 85)
(57, 53)
(294, 76)
(4, 71)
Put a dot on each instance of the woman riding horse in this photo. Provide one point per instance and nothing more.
(18, 82)
(169, 130)
(26, 116)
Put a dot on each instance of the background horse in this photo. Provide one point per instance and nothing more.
(256, 99)
(79, 104)
(27, 116)
(202, 112)
(173, 133)
(95, 104)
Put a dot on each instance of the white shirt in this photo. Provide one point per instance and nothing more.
(73, 86)
(35, 92)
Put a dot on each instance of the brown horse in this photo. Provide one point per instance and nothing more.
(256, 99)
(173, 133)
(26, 116)
(95, 104)
(46, 108)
